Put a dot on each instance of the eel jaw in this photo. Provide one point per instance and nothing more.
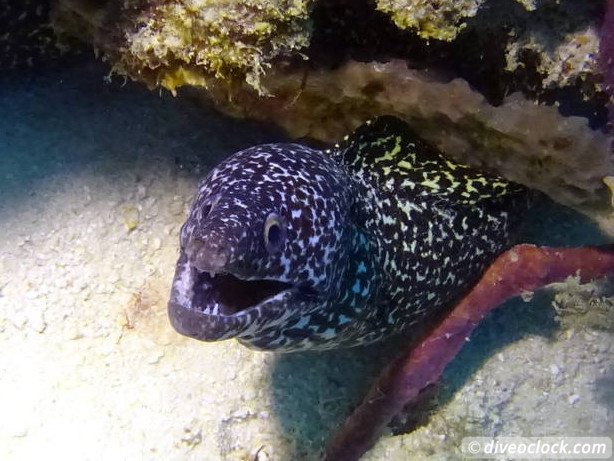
(225, 294)
(212, 307)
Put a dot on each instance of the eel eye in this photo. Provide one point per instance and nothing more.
(274, 232)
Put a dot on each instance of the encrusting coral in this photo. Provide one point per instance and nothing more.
(253, 59)
(561, 62)
(161, 43)
(155, 40)
(559, 41)
(526, 142)
(439, 19)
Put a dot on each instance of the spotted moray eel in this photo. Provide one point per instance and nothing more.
(288, 247)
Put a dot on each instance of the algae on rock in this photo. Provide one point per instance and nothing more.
(257, 60)
(175, 43)
(170, 43)
(560, 40)
(584, 306)
(438, 19)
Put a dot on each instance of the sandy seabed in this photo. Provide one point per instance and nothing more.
(95, 182)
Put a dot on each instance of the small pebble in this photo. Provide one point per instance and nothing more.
(130, 216)
(555, 370)
(155, 357)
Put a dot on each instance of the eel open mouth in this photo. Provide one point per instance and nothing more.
(212, 307)
(226, 294)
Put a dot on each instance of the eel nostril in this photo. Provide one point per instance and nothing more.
(208, 256)
(192, 248)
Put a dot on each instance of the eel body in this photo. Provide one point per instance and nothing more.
(288, 247)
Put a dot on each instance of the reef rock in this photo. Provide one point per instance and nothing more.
(156, 41)
(522, 140)
(486, 81)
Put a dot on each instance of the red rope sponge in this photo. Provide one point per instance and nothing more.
(522, 269)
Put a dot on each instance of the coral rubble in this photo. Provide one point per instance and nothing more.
(584, 306)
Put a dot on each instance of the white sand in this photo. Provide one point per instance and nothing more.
(90, 368)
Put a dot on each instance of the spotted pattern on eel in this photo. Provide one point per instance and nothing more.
(287, 247)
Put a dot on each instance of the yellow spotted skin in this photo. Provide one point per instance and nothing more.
(432, 225)
(401, 155)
